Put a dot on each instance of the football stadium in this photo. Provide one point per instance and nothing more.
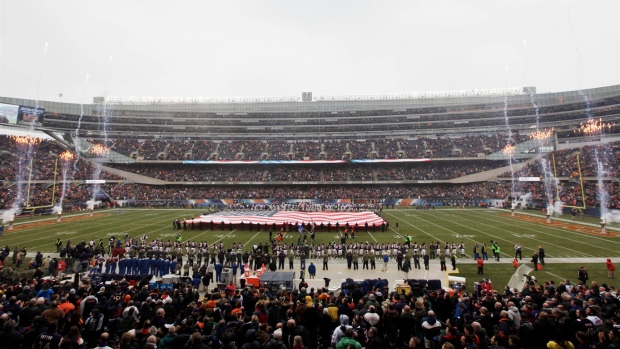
(477, 218)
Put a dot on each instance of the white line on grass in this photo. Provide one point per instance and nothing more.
(49, 229)
(452, 231)
(509, 231)
(557, 276)
(397, 233)
(252, 238)
(607, 241)
(102, 233)
(371, 236)
(83, 235)
(422, 230)
(535, 225)
(223, 237)
(556, 218)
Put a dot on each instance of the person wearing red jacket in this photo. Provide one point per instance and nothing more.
(486, 286)
(611, 269)
(230, 289)
(480, 266)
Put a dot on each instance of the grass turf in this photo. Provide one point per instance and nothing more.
(575, 242)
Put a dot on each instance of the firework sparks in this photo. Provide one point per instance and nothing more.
(99, 150)
(66, 156)
(542, 135)
(509, 150)
(26, 140)
(593, 127)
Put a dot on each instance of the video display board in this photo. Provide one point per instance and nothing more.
(8, 113)
(30, 116)
(21, 115)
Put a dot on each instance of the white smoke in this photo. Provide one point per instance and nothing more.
(523, 199)
(557, 207)
(90, 204)
(609, 217)
(8, 215)
(57, 209)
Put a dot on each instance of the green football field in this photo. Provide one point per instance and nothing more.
(568, 243)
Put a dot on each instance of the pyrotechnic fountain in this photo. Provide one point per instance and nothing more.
(58, 211)
(594, 129)
(509, 150)
(97, 150)
(65, 160)
(553, 206)
(25, 148)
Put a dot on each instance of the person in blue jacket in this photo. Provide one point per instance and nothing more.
(108, 264)
(234, 271)
(122, 266)
(160, 267)
(173, 266)
(134, 265)
(144, 266)
(312, 270)
(166, 270)
(218, 271)
(45, 292)
(386, 259)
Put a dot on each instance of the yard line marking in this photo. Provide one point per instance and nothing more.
(252, 238)
(418, 228)
(568, 231)
(534, 225)
(531, 238)
(102, 233)
(557, 276)
(372, 236)
(452, 231)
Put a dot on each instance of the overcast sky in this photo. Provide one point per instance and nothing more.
(281, 48)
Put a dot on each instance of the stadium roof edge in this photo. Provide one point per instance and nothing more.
(415, 95)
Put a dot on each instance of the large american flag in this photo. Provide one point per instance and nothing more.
(281, 217)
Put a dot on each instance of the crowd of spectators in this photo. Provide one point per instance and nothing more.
(334, 149)
(564, 162)
(359, 149)
(179, 149)
(371, 148)
(228, 150)
(279, 150)
(151, 149)
(18, 160)
(44, 156)
(126, 146)
(307, 150)
(441, 147)
(203, 150)
(569, 192)
(439, 170)
(386, 148)
(255, 150)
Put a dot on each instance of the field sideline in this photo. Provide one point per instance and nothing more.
(568, 243)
